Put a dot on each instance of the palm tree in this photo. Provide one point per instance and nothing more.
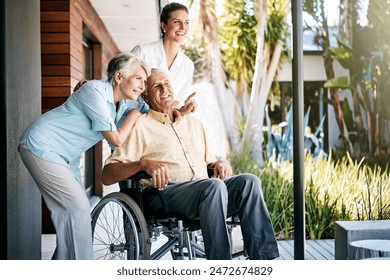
(268, 54)
(249, 73)
(364, 51)
(227, 103)
(237, 39)
(316, 9)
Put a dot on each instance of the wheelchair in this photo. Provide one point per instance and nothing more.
(123, 230)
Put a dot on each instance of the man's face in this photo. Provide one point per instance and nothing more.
(160, 93)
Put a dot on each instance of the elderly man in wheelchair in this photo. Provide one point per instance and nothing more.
(172, 148)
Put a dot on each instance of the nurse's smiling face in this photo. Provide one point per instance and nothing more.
(176, 28)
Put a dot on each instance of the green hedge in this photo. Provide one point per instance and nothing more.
(334, 190)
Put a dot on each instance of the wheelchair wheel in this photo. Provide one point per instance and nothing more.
(119, 229)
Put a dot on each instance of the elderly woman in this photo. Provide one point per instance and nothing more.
(51, 147)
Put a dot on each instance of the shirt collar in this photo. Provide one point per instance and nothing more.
(164, 118)
(110, 92)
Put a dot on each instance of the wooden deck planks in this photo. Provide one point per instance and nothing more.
(315, 249)
(285, 250)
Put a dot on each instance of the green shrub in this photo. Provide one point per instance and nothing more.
(278, 196)
(321, 212)
(341, 189)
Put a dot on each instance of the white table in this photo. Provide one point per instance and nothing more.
(370, 248)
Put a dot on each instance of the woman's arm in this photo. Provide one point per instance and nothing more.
(118, 136)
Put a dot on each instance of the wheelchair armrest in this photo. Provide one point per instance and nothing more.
(135, 183)
(140, 175)
(144, 175)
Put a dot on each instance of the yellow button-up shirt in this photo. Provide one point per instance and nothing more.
(181, 145)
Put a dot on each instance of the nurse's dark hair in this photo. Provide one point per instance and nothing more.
(126, 64)
(168, 9)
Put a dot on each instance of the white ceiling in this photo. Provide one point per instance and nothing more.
(129, 22)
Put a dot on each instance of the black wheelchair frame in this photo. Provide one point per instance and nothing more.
(123, 230)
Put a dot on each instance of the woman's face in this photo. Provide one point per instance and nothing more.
(132, 86)
(177, 27)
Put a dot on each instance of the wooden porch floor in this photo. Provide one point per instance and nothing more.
(315, 249)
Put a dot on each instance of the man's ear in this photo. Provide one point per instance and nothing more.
(145, 97)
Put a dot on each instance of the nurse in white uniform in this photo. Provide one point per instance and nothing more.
(166, 54)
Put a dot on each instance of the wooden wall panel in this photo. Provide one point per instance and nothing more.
(49, 27)
(97, 28)
(55, 50)
(75, 40)
(54, 5)
(53, 38)
(55, 70)
(50, 16)
(54, 59)
(56, 81)
(76, 63)
(52, 102)
(63, 24)
(56, 91)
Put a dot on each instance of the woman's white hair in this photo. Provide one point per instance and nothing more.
(125, 64)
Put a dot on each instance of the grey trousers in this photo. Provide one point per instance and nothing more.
(212, 201)
(69, 206)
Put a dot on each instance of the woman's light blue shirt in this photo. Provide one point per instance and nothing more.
(126, 105)
(62, 134)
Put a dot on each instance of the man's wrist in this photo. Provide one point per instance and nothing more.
(223, 161)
